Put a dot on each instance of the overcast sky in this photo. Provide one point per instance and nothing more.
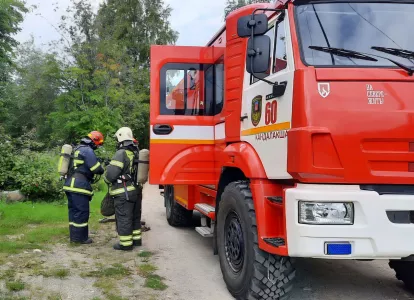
(195, 20)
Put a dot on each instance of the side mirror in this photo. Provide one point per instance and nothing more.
(245, 25)
(258, 58)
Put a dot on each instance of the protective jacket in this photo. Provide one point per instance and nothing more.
(85, 166)
(120, 172)
(120, 175)
(79, 190)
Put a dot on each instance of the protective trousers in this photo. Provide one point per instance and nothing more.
(128, 217)
(78, 206)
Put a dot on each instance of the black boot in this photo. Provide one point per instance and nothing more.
(137, 243)
(117, 246)
(88, 241)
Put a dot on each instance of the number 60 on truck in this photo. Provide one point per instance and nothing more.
(292, 133)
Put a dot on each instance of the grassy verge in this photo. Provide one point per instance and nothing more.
(28, 226)
(147, 270)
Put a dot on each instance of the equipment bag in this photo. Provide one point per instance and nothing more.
(107, 206)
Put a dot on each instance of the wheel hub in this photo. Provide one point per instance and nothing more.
(234, 242)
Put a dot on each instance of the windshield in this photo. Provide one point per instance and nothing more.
(356, 27)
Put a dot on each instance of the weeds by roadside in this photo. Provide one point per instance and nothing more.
(152, 280)
(15, 286)
(114, 271)
(155, 282)
(60, 273)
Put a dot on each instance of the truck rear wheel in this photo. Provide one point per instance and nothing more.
(248, 272)
(176, 214)
(404, 271)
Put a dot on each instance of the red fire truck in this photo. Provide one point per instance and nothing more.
(292, 133)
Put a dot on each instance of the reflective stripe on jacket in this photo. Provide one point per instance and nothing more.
(86, 165)
(120, 165)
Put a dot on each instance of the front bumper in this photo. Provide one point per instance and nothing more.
(373, 235)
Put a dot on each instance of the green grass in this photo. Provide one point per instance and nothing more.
(145, 254)
(40, 224)
(146, 269)
(115, 271)
(57, 273)
(15, 286)
(7, 275)
(152, 281)
(108, 288)
(155, 282)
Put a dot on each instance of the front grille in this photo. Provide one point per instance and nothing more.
(389, 189)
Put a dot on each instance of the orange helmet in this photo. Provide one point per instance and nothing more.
(96, 137)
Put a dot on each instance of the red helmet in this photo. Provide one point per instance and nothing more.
(96, 137)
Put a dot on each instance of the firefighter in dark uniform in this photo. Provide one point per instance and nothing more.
(121, 176)
(78, 187)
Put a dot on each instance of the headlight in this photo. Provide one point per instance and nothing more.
(326, 213)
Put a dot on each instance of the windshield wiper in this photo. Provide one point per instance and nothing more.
(359, 55)
(344, 53)
(397, 52)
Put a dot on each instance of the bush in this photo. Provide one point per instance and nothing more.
(33, 173)
(36, 175)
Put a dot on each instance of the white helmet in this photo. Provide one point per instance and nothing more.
(124, 134)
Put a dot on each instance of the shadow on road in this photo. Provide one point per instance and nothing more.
(318, 279)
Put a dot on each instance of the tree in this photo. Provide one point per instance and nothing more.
(11, 15)
(106, 80)
(36, 85)
(232, 5)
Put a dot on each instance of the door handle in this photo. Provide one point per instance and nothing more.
(162, 129)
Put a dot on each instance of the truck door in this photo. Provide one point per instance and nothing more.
(269, 118)
(181, 116)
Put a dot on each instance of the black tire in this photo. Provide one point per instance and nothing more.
(246, 269)
(177, 215)
(404, 271)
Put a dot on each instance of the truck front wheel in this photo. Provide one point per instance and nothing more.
(404, 271)
(176, 214)
(248, 272)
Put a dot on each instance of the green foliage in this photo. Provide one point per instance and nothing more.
(11, 16)
(232, 5)
(33, 173)
(100, 82)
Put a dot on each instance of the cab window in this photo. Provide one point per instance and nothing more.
(189, 89)
(280, 59)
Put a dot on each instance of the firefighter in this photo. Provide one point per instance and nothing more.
(121, 176)
(78, 187)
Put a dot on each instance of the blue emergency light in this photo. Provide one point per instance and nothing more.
(338, 248)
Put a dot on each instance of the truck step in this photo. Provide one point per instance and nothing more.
(204, 231)
(206, 210)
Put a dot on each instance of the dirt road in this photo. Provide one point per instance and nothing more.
(191, 270)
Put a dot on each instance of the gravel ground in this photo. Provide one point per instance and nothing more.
(186, 262)
(193, 272)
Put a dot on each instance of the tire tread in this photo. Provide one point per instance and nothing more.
(283, 271)
(180, 217)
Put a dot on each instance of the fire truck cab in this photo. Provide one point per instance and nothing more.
(291, 132)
